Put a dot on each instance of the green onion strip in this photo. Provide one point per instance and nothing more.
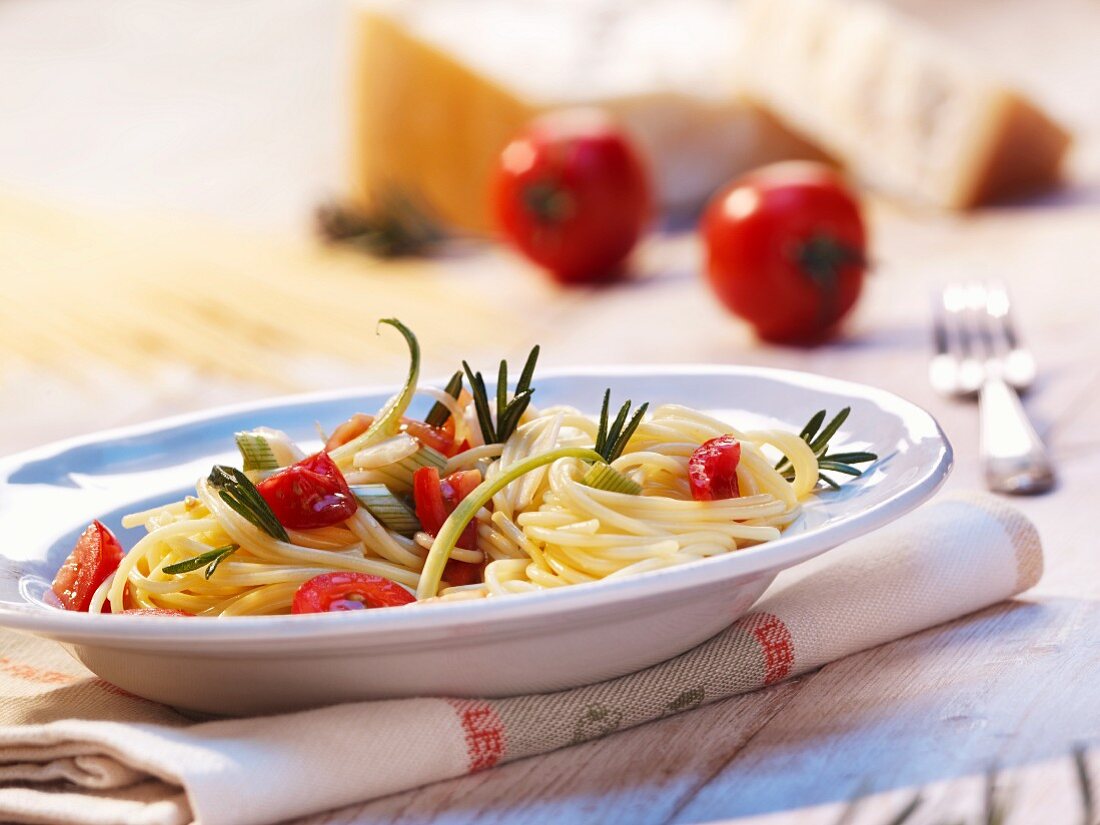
(388, 422)
(456, 522)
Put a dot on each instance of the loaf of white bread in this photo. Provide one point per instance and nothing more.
(707, 88)
(903, 110)
(440, 86)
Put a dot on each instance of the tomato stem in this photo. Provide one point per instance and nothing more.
(821, 258)
(548, 202)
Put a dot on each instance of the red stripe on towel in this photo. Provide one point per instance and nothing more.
(484, 733)
(31, 673)
(115, 690)
(775, 642)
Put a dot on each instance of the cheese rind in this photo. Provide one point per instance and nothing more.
(901, 109)
(425, 124)
(431, 113)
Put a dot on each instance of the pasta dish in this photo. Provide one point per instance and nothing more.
(489, 495)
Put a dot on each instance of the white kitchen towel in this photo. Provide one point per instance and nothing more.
(74, 749)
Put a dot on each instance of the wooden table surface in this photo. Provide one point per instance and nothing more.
(154, 143)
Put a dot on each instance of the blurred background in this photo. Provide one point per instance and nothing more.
(162, 163)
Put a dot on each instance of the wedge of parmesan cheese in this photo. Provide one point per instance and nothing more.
(440, 86)
(903, 110)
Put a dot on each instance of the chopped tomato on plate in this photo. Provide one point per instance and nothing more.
(435, 499)
(712, 469)
(309, 494)
(345, 590)
(96, 556)
(438, 438)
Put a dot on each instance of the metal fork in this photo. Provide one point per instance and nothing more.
(978, 352)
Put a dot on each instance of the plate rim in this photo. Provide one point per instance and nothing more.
(780, 554)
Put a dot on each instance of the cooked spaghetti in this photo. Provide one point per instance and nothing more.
(474, 501)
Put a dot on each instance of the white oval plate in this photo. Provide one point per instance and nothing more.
(526, 643)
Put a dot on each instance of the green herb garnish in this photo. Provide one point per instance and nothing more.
(391, 511)
(439, 414)
(210, 560)
(818, 438)
(397, 224)
(388, 421)
(241, 494)
(612, 440)
(509, 413)
(464, 513)
(256, 453)
(606, 477)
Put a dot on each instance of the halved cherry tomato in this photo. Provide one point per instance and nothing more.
(438, 438)
(311, 493)
(345, 590)
(155, 611)
(435, 499)
(96, 556)
(712, 469)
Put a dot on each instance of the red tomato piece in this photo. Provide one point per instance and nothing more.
(352, 428)
(786, 250)
(573, 195)
(332, 592)
(435, 499)
(96, 556)
(712, 469)
(457, 486)
(428, 498)
(438, 438)
(155, 611)
(309, 494)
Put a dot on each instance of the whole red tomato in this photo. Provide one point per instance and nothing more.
(573, 195)
(786, 250)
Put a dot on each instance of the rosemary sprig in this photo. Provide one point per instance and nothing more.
(397, 225)
(508, 413)
(612, 440)
(439, 414)
(241, 494)
(818, 437)
(210, 560)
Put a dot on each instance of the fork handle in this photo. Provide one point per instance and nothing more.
(1013, 457)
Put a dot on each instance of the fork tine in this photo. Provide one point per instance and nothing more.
(998, 305)
(943, 368)
(1018, 365)
(963, 327)
(939, 326)
(955, 303)
(978, 304)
